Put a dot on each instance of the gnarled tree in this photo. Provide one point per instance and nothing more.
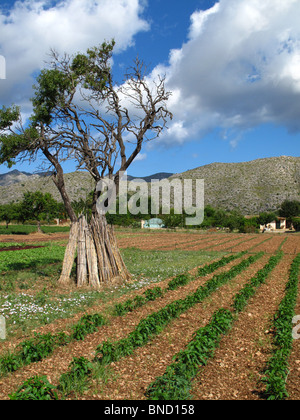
(81, 114)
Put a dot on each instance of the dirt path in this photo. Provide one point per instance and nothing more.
(207, 244)
(272, 245)
(249, 245)
(35, 237)
(19, 248)
(168, 241)
(292, 244)
(197, 243)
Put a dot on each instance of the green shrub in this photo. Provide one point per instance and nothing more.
(130, 305)
(176, 383)
(77, 378)
(37, 388)
(36, 349)
(179, 281)
(88, 324)
(278, 366)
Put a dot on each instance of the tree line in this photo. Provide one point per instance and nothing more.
(236, 221)
(35, 206)
(38, 207)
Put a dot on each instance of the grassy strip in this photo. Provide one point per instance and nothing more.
(176, 382)
(130, 305)
(31, 258)
(27, 229)
(42, 345)
(17, 229)
(278, 366)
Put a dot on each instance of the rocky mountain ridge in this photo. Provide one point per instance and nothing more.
(251, 187)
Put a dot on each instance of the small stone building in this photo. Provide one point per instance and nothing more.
(152, 224)
(280, 224)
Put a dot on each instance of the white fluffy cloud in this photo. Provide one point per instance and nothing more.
(240, 68)
(32, 27)
(141, 157)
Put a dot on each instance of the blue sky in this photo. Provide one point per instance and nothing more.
(233, 65)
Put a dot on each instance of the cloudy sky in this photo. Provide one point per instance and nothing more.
(233, 67)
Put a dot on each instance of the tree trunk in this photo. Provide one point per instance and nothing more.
(69, 255)
(39, 226)
(99, 262)
(81, 254)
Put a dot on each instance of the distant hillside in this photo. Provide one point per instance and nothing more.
(15, 177)
(251, 187)
(158, 176)
(13, 184)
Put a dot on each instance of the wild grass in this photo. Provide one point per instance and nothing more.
(30, 296)
(27, 229)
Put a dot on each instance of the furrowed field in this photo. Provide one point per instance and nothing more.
(207, 316)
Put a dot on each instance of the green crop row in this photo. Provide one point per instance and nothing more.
(179, 281)
(130, 305)
(38, 388)
(278, 365)
(249, 290)
(42, 345)
(210, 268)
(109, 352)
(176, 382)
